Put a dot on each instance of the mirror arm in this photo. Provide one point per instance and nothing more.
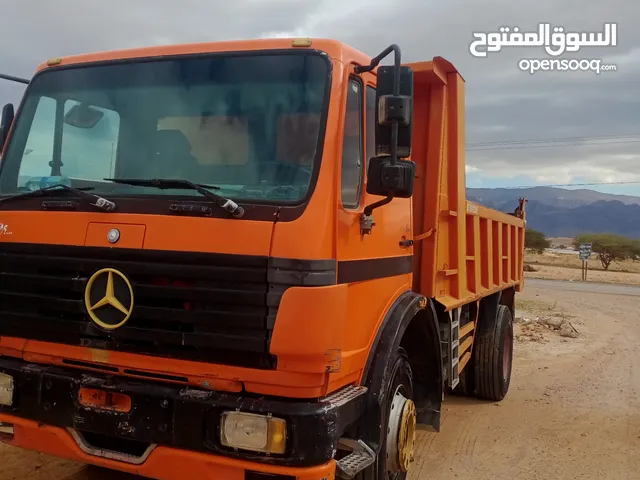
(366, 220)
(375, 61)
(11, 78)
(368, 210)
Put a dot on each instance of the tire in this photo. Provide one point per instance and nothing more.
(493, 355)
(400, 379)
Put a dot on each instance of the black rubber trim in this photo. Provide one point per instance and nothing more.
(301, 273)
(390, 332)
(283, 273)
(387, 341)
(350, 271)
(175, 416)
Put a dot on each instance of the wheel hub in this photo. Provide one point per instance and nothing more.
(401, 434)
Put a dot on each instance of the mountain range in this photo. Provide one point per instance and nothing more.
(558, 212)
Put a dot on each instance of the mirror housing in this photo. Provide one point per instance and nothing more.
(83, 116)
(6, 119)
(385, 178)
(393, 108)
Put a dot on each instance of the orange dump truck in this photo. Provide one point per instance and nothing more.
(245, 260)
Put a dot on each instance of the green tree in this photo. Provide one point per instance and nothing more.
(535, 240)
(609, 247)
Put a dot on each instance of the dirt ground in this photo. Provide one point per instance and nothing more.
(561, 266)
(573, 410)
(549, 272)
(573, 261)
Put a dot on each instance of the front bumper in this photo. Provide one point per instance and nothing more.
(163, 463)
(167, 422)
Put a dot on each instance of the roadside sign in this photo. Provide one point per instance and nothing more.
(585, 251)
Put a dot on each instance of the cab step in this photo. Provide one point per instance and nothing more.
(361, 457)
(450, 333)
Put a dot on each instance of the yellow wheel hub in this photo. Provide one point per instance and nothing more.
(401, 434)
(407, 435)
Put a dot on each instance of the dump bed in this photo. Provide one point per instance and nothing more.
(462, 251)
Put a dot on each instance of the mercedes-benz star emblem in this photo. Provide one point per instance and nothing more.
(108, 298)
(114, 235)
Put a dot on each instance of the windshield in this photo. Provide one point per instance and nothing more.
(247, 123)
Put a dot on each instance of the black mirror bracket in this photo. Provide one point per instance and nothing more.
(366, 218)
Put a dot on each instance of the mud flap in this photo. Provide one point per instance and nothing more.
(428, 401)
(428, 418)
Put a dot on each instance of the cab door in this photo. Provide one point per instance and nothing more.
(376, 266)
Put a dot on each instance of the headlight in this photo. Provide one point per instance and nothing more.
(6, 390)
(249, 431)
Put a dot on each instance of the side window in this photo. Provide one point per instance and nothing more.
(38, 151)
(89, 152)
(371, 123)
(352, 154)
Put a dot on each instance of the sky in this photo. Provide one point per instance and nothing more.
(523, 129)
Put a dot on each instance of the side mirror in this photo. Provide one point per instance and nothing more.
(389, 175)
(394, 105)
(384, 177)
(6, 119)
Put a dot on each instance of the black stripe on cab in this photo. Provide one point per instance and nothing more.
(350, 271)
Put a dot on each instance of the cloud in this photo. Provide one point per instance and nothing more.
(503, 103)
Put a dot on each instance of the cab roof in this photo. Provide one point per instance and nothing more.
(333, 48)
(438, 67)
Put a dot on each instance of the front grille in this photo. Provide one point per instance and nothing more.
(205, 307)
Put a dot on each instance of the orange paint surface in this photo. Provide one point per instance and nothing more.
(461, 252)
(470, 251)
(103, 400)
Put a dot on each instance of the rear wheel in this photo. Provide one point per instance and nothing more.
(493, 356)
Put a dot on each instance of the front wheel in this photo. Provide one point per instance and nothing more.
(398, 430)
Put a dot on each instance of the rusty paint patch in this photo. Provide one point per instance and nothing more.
(100, 356)
(127, 429)
(195, 394)
(334, 360)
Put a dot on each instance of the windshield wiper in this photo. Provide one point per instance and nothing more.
(169, 183)
(95, 200)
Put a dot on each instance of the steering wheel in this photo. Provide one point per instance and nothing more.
(282, 170)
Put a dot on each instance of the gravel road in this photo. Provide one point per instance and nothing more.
(585, 287)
